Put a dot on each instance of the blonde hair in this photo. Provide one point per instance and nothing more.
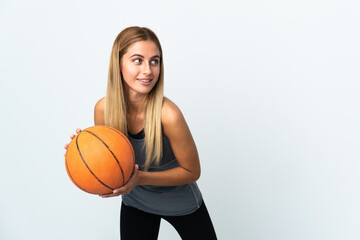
(116, 100)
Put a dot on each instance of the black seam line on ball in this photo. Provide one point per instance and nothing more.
(77, 145)
(122, 171)
(127, 140)
(68, 170)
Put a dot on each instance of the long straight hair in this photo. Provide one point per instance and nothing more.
(116, 99)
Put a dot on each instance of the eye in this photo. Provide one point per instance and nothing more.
(137, 60)
(155, 61)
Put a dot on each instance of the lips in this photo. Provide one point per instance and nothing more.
(145, 81)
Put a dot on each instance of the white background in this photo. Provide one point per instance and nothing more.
(270, 90)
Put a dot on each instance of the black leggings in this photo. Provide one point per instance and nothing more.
(138, 225)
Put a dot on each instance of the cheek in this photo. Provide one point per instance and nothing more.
(129, 72)
(156, 72)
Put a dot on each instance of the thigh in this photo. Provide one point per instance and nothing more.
(137, 224)
(196, 225)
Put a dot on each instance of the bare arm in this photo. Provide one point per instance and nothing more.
(99, 112)
(184, 148)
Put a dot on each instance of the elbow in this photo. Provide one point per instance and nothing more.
(191, 176)
(196, 176)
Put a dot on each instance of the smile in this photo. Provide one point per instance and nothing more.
(145, 81)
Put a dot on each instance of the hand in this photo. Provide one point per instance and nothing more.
(71, 137)
(126, 189)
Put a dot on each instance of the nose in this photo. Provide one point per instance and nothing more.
(147, 69)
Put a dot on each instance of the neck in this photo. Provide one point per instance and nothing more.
(135, 103)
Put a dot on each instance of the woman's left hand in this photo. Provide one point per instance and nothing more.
(126, 189)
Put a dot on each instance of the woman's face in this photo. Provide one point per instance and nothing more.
(140, 67)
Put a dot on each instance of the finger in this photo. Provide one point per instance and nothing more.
(72, 136)
(120, 190)
(109, 195)
(106, 196)
(136, 169)
(112, 194)
(78, 130)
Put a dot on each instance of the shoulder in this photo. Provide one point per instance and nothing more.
(170, 112)
(100, 105)
(172, 118)
(99, 112)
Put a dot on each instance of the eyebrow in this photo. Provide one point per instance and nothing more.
(138, 55)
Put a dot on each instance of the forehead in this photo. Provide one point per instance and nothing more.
(144, 48)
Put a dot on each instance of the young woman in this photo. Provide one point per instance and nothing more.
(163, 185)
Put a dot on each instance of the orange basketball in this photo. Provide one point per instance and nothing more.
(99, 159)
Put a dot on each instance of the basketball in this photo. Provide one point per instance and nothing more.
(99, 159)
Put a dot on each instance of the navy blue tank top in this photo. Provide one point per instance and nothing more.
(161, 200)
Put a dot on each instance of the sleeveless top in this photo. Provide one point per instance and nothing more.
(161, 200)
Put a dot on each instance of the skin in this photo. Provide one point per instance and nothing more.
(141, 62)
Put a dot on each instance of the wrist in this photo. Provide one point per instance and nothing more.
(141, 178)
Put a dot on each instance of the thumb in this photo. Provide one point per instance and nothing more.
(136, 168)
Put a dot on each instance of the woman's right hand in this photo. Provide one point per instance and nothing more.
(71, 137)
